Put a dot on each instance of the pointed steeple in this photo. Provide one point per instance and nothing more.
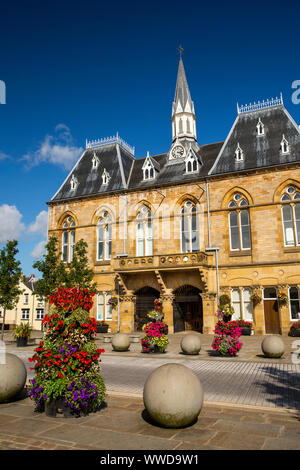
(183, 111)
(182, 92)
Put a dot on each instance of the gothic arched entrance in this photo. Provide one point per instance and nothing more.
(187, 309)
(144, 304)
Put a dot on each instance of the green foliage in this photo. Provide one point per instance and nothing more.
(23, 331)
(10, 276)
(52, 269)
(56, 273)
(79, 274)
(224, 299)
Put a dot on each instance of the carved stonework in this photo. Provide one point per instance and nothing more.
(168, 297)
(128, 298)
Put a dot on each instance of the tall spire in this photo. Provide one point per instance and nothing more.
(183, 111)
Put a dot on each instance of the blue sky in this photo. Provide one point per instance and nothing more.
(87, 70)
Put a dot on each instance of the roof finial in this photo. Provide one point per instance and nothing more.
(180, 50)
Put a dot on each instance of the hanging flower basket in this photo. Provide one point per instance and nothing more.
(256, 298)
(282, 298)
(113, 301)
(157, 304)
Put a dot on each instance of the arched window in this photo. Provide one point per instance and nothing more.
(148, 170)
(260, 128)
(294, 302)
(284, 145)
(239, 154)
(68, 239)
(191, 163)
(189, 228)
(242, 304)
(104, 237)
(239, 223)
(144, 232)
(291, 216)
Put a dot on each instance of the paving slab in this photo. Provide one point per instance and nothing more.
(124, 424)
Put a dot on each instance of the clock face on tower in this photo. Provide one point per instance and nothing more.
(177, 151)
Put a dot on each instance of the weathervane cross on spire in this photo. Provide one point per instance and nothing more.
(180, 50)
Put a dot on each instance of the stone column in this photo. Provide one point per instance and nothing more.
(284, 312)
(210, 316)
(127, 309)
(258, 313)
(167, 307)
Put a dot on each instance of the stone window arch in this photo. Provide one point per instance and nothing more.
(68, 238)
(144, 232)
(239, 223)
(104, 236)
(290, 213)
(189, 227)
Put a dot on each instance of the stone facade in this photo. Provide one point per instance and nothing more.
(259, 253)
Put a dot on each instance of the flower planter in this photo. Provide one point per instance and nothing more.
(295, 331)
(226, 318)
(246, 330)
(102, 328)
(52, 407)
(22, 341)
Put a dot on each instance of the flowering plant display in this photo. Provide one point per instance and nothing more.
(224, 299)
(66, 362)
(227, 336)
(225, 311)
(296, 325)
(155, 315)
(282, 297)
(155, 333)
(113, 301)
(256, 298)
(242, 323)
(157, 304)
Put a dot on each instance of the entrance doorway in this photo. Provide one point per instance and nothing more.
(271, 311)
(144, 304)
(187, 309)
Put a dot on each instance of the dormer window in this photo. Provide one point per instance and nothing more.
(105, 177)
(148, 169)
(95, 161)
(260, 128)
(191, 163)
(74, 183)
(284, 145)
(239, 155)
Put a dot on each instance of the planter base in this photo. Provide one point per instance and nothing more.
(295, 332)
(53, 408)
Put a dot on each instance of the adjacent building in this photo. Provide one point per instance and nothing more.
(192, 223)
(28, 309)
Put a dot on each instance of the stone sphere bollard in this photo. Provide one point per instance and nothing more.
(190, 344)
(272, 346)
(120, 342)
(13, 377)
(173, 395)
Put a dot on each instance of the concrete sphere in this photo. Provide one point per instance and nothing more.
(272, 346)
(120, 342)
(191, 344)
(173, 396)
(13, 376)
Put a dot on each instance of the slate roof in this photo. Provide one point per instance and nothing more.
(259, 151)
(182, 92)
(218, 158)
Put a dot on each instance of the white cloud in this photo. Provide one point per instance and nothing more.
(40, 224)
(11, 226)
(3, 156)
(58, 149)
(39, 249)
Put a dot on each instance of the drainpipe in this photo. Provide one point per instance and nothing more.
(216, 249)
(208, 213)
(118, 305)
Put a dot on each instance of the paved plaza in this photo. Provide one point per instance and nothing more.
(250, 402)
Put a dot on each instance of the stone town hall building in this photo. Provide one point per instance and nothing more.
(190, 224)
